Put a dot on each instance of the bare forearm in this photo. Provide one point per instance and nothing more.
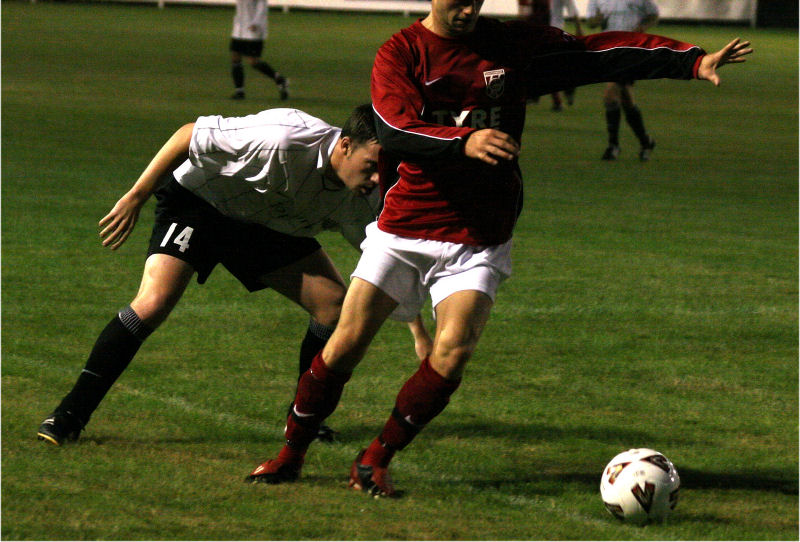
(174, 151)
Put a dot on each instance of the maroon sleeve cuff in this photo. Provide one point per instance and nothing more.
(696, 66)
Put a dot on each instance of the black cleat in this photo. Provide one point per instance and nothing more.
(374, 481)
(647, 150)
(611, 152)
(326, 434)
(238, 95)
(60, 427)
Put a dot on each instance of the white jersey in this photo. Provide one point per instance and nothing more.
(625, 15)
(557, 8)
(268, 168)
(250, 20)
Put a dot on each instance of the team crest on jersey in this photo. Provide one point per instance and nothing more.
(495, 82)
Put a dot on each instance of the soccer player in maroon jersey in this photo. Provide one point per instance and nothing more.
(449, 93)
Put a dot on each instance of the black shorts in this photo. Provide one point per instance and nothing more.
(247, 47)
(192, 230)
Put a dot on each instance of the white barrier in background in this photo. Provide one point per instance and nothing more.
(715, 10)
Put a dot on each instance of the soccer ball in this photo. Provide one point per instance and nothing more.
(639, 486)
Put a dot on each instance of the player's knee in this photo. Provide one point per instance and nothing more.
(345, 349)
(153, 309)
(326, 310)
(327, 315)
(449, 359)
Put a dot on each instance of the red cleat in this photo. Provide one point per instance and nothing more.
(374, 481)
(274, 471)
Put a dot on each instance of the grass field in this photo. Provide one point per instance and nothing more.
(651, 305)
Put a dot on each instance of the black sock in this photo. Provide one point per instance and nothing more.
(113, 351)
(314, 341)
(634, 117)
(237, 71)
(265, 68)
(613, 116)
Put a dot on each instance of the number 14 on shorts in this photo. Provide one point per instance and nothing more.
(182, 239)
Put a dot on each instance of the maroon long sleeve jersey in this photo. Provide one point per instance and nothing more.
(431, 92)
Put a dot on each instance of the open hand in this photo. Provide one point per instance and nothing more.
(730, 54)
(119, 222)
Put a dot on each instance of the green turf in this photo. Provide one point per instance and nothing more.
(651, 305)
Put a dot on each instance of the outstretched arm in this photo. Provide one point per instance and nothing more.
(119, 222)
(732, 53)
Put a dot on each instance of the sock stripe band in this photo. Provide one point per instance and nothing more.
(132, 323)
(320, 331)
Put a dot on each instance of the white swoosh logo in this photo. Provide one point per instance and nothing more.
(300, 414)
(408, 419)
(432, 81)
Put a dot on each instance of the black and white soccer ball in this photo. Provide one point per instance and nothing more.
(640, 486)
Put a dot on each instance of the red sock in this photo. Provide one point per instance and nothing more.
(421, 399)
(289, 454)
(378, 454)
(318, 394)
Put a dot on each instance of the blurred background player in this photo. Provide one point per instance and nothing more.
(551, 12)
(557, 9)
(247, 40)
(535, 11)
(256, 213)
(628, 16)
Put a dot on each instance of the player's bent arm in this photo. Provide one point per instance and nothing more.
(398, 106)
(489, 144)
(118, 224)
(175, 149)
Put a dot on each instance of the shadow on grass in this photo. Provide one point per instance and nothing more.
(771, 480)
(766, 480)
(520, 433)
(552, 483)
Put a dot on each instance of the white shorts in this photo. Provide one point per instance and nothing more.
(408, 269)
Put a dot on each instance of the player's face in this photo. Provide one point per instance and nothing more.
(359, 167)
(456, 17)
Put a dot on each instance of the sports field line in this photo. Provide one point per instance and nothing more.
(180, 403)
(660, 310)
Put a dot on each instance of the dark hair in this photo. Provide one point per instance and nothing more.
(360, 127)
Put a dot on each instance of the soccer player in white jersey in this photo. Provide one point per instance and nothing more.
(626, 16)
(252, 195)
(247, 40)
